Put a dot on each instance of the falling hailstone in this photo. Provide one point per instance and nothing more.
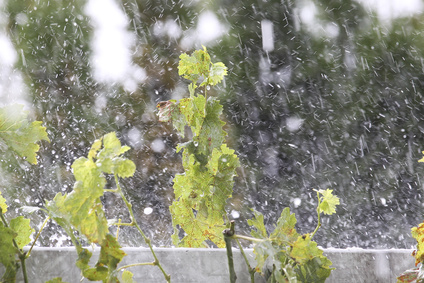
(235, 214)
(157, 145)
(297, 202)
(294, 123)
(148, 210)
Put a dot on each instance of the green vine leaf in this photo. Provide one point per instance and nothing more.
(104, 270)
(3, 204)
(194, 111)
(8, 252)
(23, 230)
(285, 230)
(98, 273)
(217, 73)
(127, 277)
(109, 158)
(328, 202)
(315, 270)
(18, 134)
(258, 223)
(304, 249)
(110, 253)
(286, 255)
(195, 66)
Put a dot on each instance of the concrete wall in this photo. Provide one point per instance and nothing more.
(210, 265)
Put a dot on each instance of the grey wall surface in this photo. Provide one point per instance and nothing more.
(210, 265)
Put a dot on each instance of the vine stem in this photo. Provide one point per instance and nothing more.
(252, 270)
(134, 223)
(135, 264)
(38, 235)
(228, 236)
(235, 236)
(319, 217)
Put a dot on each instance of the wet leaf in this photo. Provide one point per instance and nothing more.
(328, 202)
(258, 223)
(127, 277)
(19, 134)
(195, 66)
(23, 230)
(217, 73)
(314, 270)
(285, 230)
(304, 249)
(8, 252)
(3, 205)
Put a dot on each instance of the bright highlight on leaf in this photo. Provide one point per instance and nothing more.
(327, 201)
(17, 133)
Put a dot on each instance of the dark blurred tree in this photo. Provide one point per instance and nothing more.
(353, 81)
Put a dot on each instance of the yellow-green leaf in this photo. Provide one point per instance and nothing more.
(3, 205)
(217, 73)
(8, 251)
(127, 277)
(418, 234)
(258, 223)
(19, 134)
(422, 159)
(21, 226)
(285, 230)
(304, 249)
(328, 202)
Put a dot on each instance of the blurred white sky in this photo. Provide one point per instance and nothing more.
(388, 9)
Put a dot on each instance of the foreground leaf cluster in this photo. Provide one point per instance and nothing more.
(18, 135)
(82, 210)
(286, 256)
(209, 165)
(13, 237)
(416, 274)
(81, 214)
